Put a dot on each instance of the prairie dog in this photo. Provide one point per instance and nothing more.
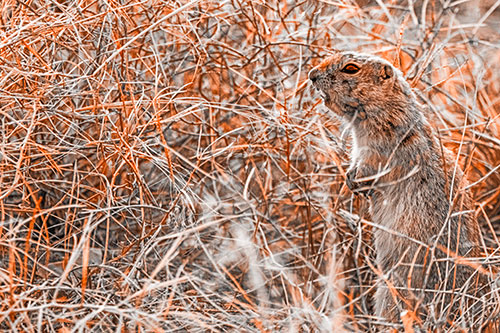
(417, 194)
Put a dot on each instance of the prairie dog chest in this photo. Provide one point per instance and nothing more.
(360, 153)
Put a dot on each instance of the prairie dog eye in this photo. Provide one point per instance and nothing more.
(350, 69)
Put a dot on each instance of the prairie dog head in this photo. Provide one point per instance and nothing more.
(359, 86)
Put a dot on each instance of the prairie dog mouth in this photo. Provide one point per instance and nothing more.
(323, 94)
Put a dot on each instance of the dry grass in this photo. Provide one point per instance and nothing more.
(164, 165)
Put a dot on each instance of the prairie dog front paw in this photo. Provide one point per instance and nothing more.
(353, 182)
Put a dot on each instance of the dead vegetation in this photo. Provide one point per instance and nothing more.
(165, 167)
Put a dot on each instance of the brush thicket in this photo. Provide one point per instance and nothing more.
(166, 167)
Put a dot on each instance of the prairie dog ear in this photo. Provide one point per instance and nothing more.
(386, 72)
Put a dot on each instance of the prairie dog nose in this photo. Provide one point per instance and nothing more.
(313, 75)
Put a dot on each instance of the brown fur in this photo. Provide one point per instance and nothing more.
(417, 194)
